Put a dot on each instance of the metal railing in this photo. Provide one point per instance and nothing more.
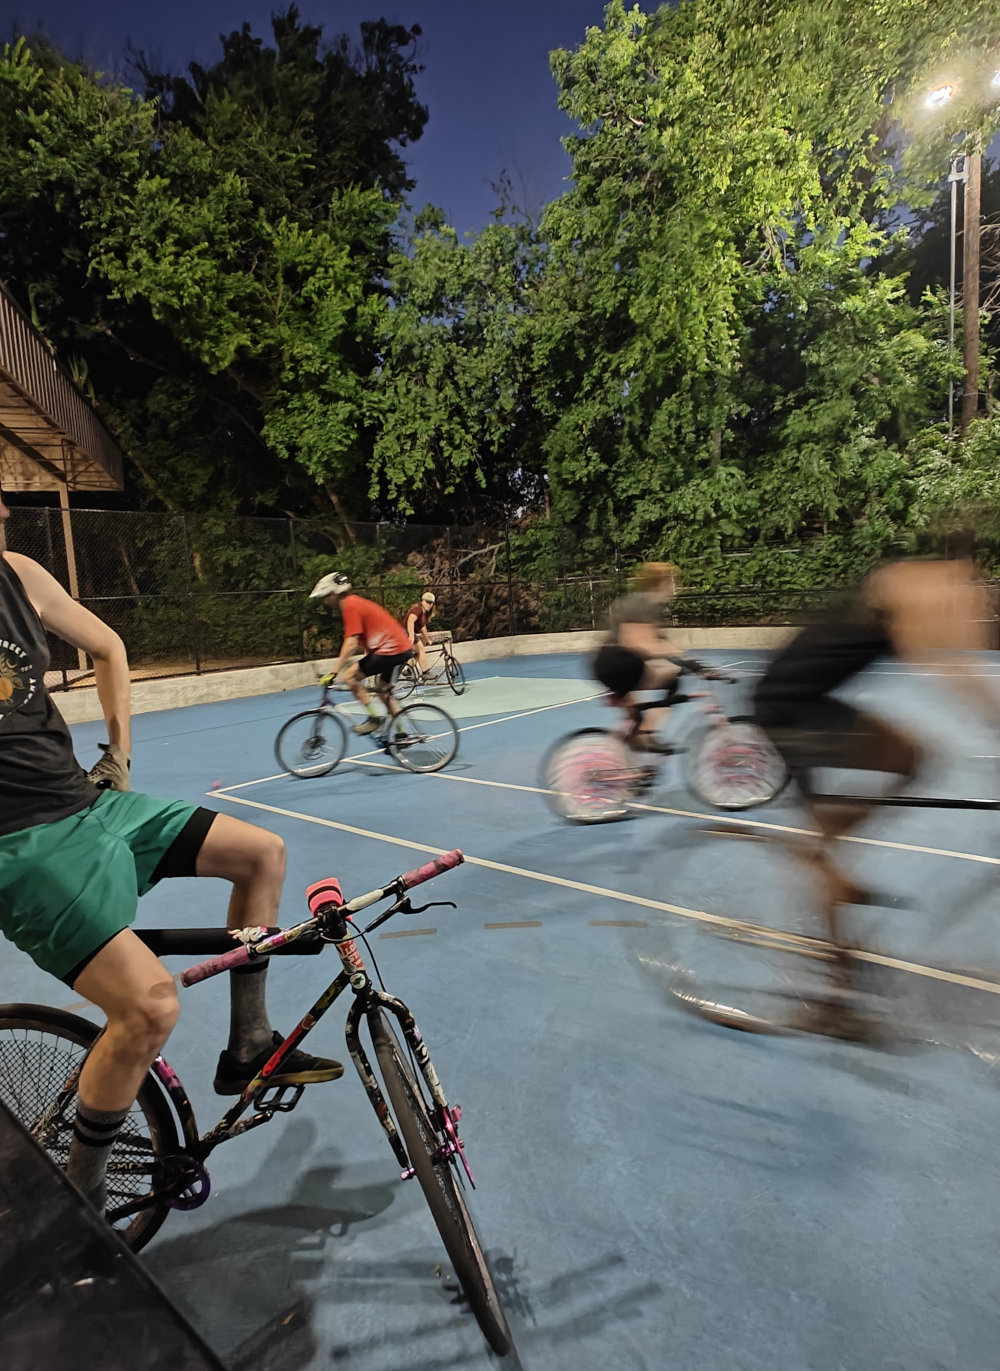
(28, 364)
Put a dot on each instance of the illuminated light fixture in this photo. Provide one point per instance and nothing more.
(941, 96)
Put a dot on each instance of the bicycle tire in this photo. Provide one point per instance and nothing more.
(40, 1048)
(455, 674)
(415, 747)
(756, 772)
(308, 756)
(586, 777)
(439, 1182)
(406, 681)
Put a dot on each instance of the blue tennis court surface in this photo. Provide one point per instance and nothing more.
(655, 1192)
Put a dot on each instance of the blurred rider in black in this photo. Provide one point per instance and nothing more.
(924, 611)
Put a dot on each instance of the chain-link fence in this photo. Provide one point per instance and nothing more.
(198, 593)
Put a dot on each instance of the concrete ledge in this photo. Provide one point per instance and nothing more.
(80, 706)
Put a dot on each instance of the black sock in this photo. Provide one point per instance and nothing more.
(250, 1029)
(94, 1134)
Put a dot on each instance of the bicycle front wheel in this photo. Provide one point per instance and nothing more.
(735, 766)
(414, 1113)
(311, 744)
(423, 738)
(455, 674)
(588, 777)
(41, 1053)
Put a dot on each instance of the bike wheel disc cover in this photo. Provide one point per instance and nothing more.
(736, 767)
(591, 779)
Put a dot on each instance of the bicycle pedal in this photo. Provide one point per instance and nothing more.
(271, 1099)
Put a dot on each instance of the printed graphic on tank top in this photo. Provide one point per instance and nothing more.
(40, 779)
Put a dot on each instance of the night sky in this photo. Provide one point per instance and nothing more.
(492, 100)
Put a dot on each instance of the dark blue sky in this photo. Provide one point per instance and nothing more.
(492, 101)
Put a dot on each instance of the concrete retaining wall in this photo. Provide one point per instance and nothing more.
(79, 706)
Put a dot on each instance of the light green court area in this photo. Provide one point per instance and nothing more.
(505, 695)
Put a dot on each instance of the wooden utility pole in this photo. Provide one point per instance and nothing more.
(970, 286)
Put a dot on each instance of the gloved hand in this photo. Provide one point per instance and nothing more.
(111, 772)
(329, 679)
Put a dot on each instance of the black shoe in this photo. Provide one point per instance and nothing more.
(232, 1076)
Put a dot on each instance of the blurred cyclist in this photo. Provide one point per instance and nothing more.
(638, 655)
(417, 618)
(373, 631)
(917, 611)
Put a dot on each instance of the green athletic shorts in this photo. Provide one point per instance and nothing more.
(66, 888)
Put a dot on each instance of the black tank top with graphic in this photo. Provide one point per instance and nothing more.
(40, 779)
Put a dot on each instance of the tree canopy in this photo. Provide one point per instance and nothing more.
(725, 343)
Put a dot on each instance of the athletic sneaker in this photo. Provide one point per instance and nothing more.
(369, 726)
(232, 1077)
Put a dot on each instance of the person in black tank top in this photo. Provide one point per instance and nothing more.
(909, 610)
(77, 849)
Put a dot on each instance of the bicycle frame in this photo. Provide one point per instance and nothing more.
(336, 928)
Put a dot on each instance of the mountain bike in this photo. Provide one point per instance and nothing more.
(787, 976)
(158, 1162)
(591, 776)
(445, 671)
(421, 737)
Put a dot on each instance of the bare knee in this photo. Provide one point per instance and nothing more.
(145, 1023)
(270, 857)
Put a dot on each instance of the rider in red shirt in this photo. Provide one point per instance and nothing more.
(372, 630)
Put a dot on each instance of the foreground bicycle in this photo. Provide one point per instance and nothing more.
(421, 737)
(757, 977)
(446, 671)
(158, 1162)
(591, 776)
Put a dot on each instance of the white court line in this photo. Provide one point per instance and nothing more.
(698, 915)
(503, 719)
(713, 818)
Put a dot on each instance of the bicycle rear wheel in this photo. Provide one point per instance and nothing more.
(311, 744)
(423, 738)
(735, 766)
(41, 1051)
(455, 674)
(439, 1180)
(589, 777)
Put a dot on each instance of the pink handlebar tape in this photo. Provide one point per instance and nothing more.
(215, 965)
(432, 869)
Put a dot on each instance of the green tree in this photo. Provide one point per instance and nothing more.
(212, 254)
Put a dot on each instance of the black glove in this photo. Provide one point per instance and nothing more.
(111, 772)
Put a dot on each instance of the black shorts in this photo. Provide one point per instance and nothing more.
(619, 669)
(383, 667)
(827, 732)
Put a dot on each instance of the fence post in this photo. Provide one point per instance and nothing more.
(510, 583)
(295, 591)
(192, 617)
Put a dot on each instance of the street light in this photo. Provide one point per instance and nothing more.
(940, 96)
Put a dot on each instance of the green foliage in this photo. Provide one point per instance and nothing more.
(214, 251)
(707, 349)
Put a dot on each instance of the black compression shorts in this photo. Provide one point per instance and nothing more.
(827, 732)
(383, 667)
(619, 669)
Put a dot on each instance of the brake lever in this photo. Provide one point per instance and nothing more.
(403, 906)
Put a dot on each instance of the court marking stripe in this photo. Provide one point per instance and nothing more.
(697, 915)
(712, 818)
(467, 728)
